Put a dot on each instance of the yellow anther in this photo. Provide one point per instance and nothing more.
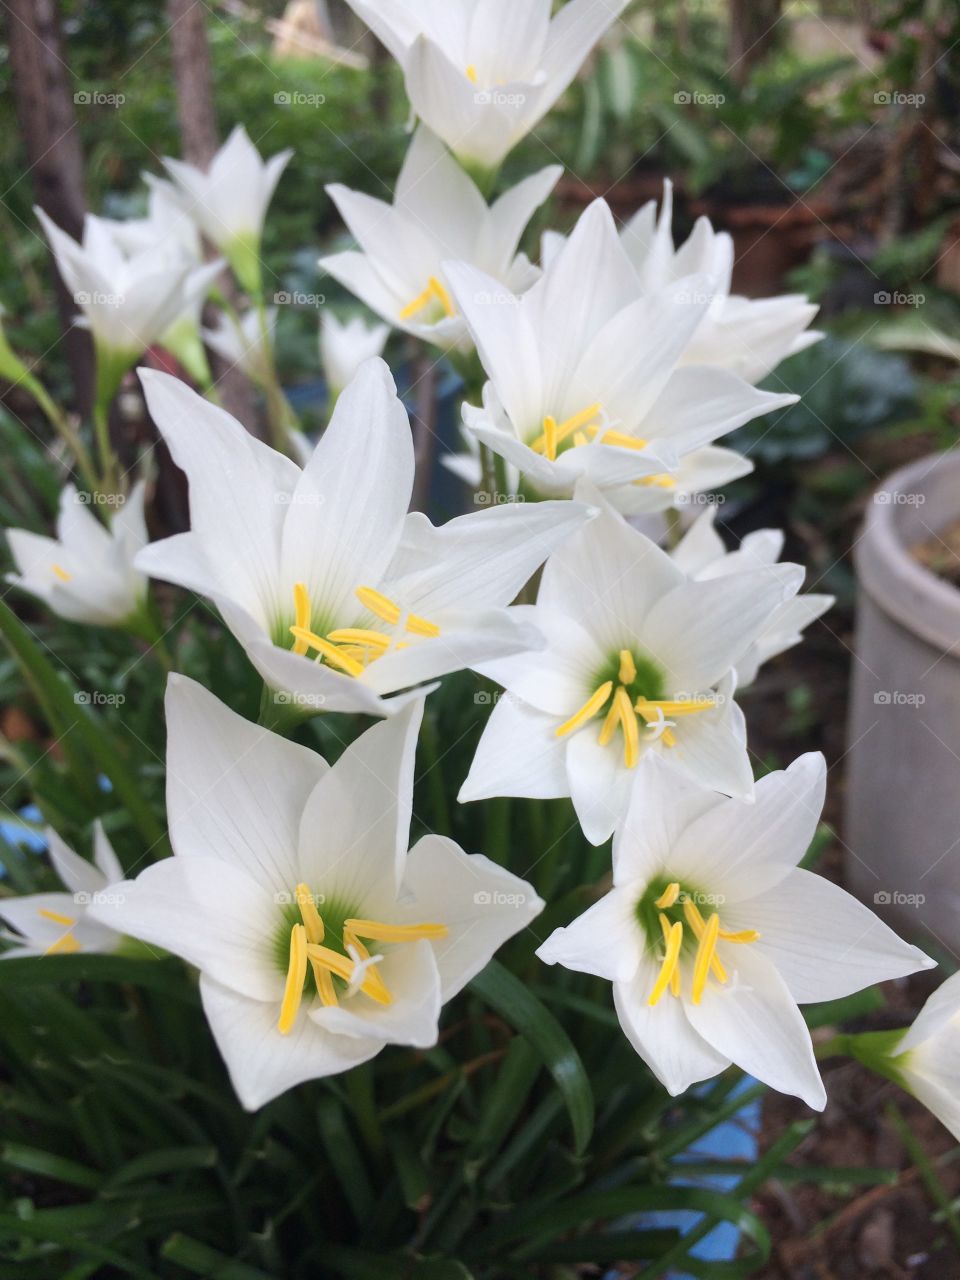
(673, 939)
(566, 428)
(589, 709)
(389, 611)
(61, 573)
(296, 975)
(550, 437)
(609, 727)
(343, 967)
(705, 953)
(622, 441)
(301, 607)
(309, 914)
(472, 74)
(359, 636)
(628, 722)
(628, 668)
(336, 657)
(675, 976)
(669, 896)
(579, 440)
(435, 289)
(56, 917)
(661, 481)
(697, 923)
(377, 931)
(742, 935)
(325, 988)
(67, 945)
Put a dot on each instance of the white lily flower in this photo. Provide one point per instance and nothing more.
(483, 73)
(50, 924)
(337, 595)
(241, 342)
(129, 302)
(628, 636)
(345, 345)
(437, 214)
(584, 370)
(926, 1061)
(702, 555)
(229, 200)
(748, 336)
(712, 935)
(318, 937)
(86, 573)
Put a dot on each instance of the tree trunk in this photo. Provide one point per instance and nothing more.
(753, 32)
(200, 139)
(48, 125)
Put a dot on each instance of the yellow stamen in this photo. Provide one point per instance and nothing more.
(343, 967)
(705, 954)
(697, 923)
(309, 914)
(435, 289)
(301, 605)
(589, 709)
(609, 727)
(325, 988)
(628, 668)
(296, 975)
(550, 437)
(55, 916)
(743, 935)
(67, 945)
(661, 481)
(390, 612)
(675, 976)
(376, 931)
(472, 74)
(566, 428)
(669, 896)
(579, 440)
(628, 722)
(61, 573)
(622, 441)
(360, 636)
(671, 959)
(329, 651)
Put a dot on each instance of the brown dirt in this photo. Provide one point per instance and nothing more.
(940, 553)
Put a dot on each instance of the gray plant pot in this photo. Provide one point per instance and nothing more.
(903, 793)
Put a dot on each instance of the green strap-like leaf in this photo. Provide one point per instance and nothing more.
(506, 994)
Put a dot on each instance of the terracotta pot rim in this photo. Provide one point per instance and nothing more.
(911, 594)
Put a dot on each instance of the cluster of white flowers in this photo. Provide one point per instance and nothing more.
(611, 373)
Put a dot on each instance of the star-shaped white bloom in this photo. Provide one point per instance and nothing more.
(585, 372)
(702, 555)
(337, 594)
(228, 201)
(628, 636)
(50, 924)
(437, 214)
(482, 73)
(345, 346)
(712, 935)
(926, 1060)
(86, 573)
(129, 299)
(290, 876)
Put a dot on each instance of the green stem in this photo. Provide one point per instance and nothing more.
(433, 773)
(64, 428)
(101, 429)
(674, 527)
(281, 419)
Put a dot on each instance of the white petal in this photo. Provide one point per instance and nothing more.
(557, 679)
(356, 823)
(606, 940)
(940, 1009)
(481, 904)
(356, 272)
(104, 857)
(410, 973)
(755, 1022)
(663, 1036)
(662, 806)
(599, 781)
(346, 514)
(700, 546)
(574, 31)
(263, 1063)
(212, 914)
(235, 791)
(711, 747)
(41, 933)
(519, 754)
(823, 942)
(744, 849)
(512, 211)
(79, 875)
(698, 405)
